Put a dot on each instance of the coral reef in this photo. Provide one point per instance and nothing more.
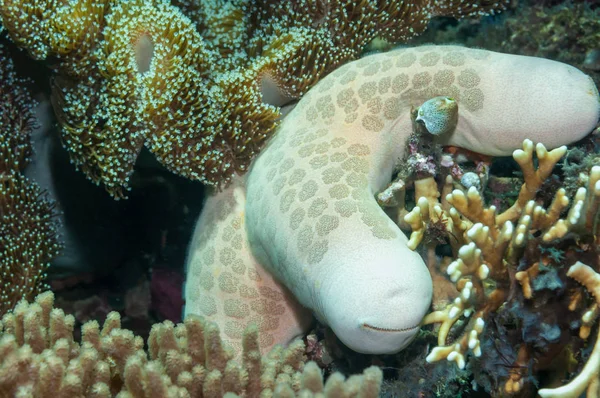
(135, 73)
(39, 357)
(511, 270)
(28, 238)
(202, 85)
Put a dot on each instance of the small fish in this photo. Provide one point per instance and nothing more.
(439, 114)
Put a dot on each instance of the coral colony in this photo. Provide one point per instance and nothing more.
(349, 187)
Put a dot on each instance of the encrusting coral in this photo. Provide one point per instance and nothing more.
(134, 73)
(28, 238)
(39, 357)
(527, 245)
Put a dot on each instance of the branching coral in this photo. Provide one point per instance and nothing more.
(527, 245)
(28, 238)
(138, 73)
(39, 357)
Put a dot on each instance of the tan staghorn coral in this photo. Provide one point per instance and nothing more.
(39, 357)
(28, 238)
(525, 246)
(138, 73)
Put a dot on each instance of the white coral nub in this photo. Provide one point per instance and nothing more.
(474, 342)
(483, 272)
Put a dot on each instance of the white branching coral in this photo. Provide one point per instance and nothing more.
(489, 249)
